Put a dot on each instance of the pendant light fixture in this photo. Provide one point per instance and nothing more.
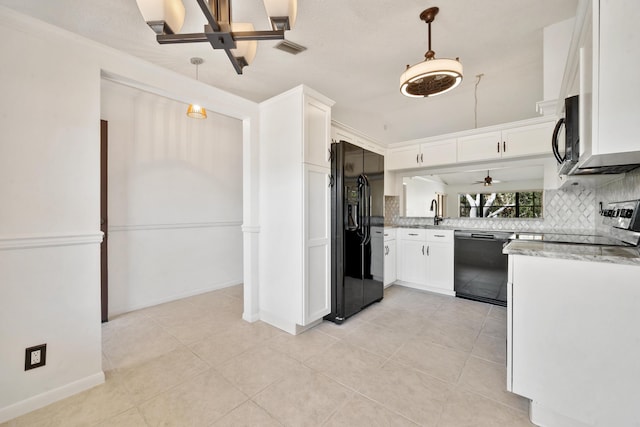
(195, 111)
(431, 76)
(239, 41)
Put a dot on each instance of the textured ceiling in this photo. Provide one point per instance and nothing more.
(357, 50)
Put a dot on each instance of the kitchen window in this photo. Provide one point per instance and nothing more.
(519, 204)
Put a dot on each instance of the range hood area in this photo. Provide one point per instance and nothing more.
(602, 170)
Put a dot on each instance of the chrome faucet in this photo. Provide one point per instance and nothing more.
(436, 218)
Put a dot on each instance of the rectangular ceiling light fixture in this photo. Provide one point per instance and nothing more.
(238, 40)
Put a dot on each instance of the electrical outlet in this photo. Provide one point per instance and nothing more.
(35, 357)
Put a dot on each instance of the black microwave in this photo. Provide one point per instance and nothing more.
(567, 152)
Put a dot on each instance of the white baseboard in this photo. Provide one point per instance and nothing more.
(286, 325)
(426, 288)
(278, 322)
(51, 396)
(250, 317)
(174, 297)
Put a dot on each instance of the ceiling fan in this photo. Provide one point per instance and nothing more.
(488, 181)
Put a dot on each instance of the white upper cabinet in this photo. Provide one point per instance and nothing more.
(403, 158)
(519, 141)
(317, 125)
(423, 155)
(480, 147)
(438, 152)
(527, 140)
(609, 72)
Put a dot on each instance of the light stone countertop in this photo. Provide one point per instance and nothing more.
(611, 254)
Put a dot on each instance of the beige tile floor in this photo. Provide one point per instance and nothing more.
(416, 358)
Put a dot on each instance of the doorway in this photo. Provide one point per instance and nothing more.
(104, 294)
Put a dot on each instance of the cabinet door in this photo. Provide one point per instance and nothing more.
(616, 88)
(317, 129)
(377, 253)
(389, 262)
(316, 291)
(527, 140)
(403, 158)
(480, 147)
(438, 153)
(413, 264)
(440, 265)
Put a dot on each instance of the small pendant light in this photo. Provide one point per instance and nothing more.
(431, 76)
(195, 111)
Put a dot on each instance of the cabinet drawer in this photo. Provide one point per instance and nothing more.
(390, 234)
(377, 232)
(444, 236)
(412, 234)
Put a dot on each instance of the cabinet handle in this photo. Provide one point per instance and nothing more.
(330, 180)
(427, 250)
(422, 249)
(438, 235)
(413, 234)
(504, 146)
(421, 158)
(417, 157)
(378, 232)
(498, 148)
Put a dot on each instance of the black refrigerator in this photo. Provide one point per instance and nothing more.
(357, 204)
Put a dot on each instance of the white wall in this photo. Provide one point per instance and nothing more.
(175, 199)
(419, 192)
(49, 208)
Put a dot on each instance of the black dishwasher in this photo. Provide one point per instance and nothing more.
(480, 267)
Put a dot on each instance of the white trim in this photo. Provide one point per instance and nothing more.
(427, 288)
(251, 228)
(250, 317)
(38, 401)
(145, 227)
(547, 108)
(46, 240)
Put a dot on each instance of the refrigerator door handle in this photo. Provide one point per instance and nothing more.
(367, 210)
(361, 230)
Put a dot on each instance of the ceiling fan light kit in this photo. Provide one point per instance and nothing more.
(239, 41)
(431, 76)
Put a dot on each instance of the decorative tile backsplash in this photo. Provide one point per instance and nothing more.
(570, 211)
(625, 188)
(391, 210)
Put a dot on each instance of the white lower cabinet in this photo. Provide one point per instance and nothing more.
(425, 259)
(390, 271)
(573, 344)
(377, 253)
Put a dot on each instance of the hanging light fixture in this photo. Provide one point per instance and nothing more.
(239, 41)
(431, 76)
(163, 16)
(195, 111)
